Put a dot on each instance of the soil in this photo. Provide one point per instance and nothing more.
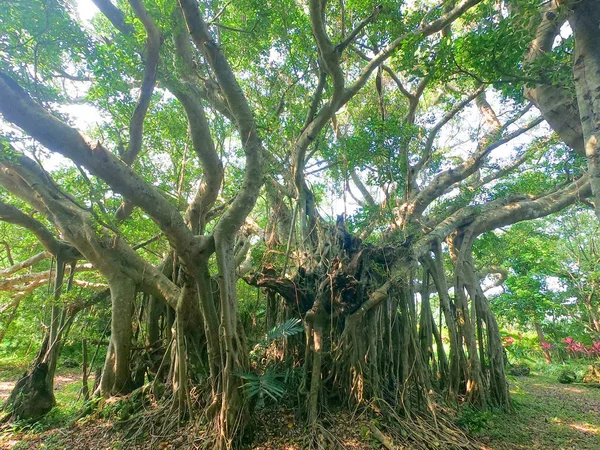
(60, 381)
(547, 415)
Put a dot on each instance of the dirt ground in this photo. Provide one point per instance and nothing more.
(547, 416)
(60, 381)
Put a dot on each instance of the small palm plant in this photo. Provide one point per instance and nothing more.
(289, 328)
(270, 384)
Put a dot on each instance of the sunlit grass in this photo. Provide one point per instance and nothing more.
(547, 414)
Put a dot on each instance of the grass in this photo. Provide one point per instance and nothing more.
(547, 414)
(68, 405)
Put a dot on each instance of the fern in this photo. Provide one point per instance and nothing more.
(290, 327)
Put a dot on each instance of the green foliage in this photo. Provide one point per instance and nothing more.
(260, 387)
(521, 348)
(472, 419)
(278, 67)
(45, 33)
(270, 383)
(289, 328)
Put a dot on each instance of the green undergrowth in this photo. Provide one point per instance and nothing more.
(546, 414)
(579, 366)
(67, 408)
(12, 367)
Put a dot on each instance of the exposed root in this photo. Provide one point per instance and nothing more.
(382, 438)
(419, 431)
(319, 438)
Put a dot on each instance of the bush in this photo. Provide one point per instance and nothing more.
(567, 377)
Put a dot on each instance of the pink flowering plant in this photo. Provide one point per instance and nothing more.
(579, 350)
(518, 348)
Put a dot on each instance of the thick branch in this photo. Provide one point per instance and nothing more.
(533, 208)
(329, 55)
(16, 283)
(136, 125)
(234, 217)
(18, 107)
(10, 214)
(449, 177)
(557, 105)
(502, 212)
(114, 15)
(24, 264)
(362, 188)
(212, 168)
(108, 253)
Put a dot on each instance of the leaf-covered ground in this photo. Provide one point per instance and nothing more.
(548, 415)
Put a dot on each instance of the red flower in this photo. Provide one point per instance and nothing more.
(509, 341)
(546, 345)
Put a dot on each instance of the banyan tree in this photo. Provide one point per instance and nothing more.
(226, 130)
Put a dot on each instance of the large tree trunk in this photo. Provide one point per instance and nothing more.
(31, 397)
(116, 376)
(33, 394)
(584, 20)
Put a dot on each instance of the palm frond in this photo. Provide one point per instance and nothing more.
(288, 328)
(265, 385)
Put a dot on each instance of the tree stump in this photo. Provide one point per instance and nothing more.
(31, 397)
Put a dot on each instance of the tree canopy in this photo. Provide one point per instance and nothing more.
(355, 164)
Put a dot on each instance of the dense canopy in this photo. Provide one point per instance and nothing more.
(345, 172)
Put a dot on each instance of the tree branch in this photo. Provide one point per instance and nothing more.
(24, 264)
(114, 15)
(20, 109)
(108, 253)
(234, 217)
(449, 177)
(443, 121)
(136, 124)
(10, 214)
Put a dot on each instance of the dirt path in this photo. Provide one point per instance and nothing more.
(548, 416)
(61, 380)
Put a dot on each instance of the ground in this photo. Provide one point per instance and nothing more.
(547, 415)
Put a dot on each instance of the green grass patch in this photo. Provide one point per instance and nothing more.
(547, 414)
